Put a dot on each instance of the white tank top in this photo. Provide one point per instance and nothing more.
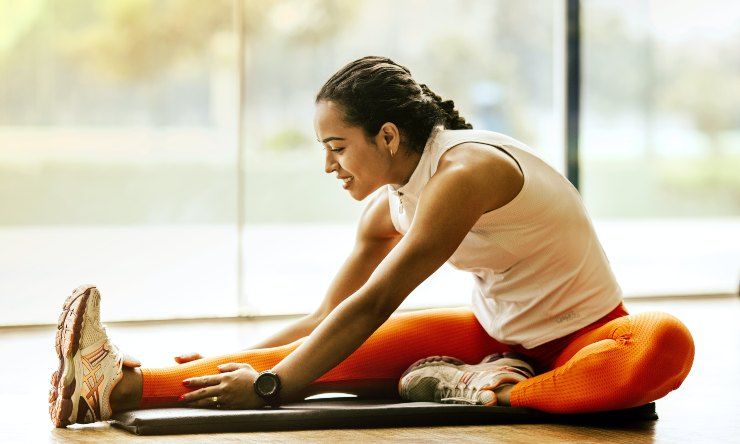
(540, 272)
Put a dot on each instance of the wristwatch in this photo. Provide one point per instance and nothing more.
(267, 386)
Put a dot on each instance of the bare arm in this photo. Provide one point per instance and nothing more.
(292, 332)
(451, 203)
(440, 223)
(449, 206)
(376, 236)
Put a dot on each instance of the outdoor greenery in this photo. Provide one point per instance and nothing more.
(291, 186)
(169, 64)
(280, 188)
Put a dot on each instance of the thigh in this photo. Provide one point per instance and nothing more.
(614, 332)
(407, 337)
(626, 362)
(641, 335)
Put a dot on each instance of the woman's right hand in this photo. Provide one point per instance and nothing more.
(187, 357)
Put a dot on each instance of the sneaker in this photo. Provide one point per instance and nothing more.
(89, 365)
(492, 361)
(510, 359)
(449, 380)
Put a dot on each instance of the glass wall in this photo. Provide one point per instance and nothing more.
(117, 157)
(661, 141)
(119, 141)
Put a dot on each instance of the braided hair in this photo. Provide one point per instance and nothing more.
(375, 90)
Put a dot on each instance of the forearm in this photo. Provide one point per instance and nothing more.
(294, 331)
(337, 337)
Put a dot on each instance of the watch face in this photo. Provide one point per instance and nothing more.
(266, 384)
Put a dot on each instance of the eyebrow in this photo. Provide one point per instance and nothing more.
(329, 139)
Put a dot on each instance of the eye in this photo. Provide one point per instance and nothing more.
(337, 150)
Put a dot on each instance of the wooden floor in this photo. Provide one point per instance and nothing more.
(705, 409)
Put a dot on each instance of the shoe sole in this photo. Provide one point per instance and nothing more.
(67, 344)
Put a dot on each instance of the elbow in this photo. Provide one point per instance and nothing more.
(369, 307)
(382, 307)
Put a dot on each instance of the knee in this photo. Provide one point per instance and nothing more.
(666, 350)
(672, 340)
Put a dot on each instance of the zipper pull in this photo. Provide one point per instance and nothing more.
(400, 202)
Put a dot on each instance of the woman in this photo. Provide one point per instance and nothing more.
(480, 200)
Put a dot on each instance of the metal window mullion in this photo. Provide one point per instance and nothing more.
(239, 28)
(572, 90)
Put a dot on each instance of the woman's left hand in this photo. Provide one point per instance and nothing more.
(232, 389)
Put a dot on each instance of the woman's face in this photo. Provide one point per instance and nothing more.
(361, 165)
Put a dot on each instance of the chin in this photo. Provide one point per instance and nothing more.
(358, 197)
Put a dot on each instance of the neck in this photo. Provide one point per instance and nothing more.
(403, 167)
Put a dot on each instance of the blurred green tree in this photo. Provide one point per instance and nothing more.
(704, 84)
(134, 39)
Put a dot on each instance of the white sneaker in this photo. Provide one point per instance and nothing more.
(492, 361)
(89, 365)
(509, 359)
(451, 381)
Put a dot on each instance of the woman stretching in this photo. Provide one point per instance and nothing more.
(484, 202)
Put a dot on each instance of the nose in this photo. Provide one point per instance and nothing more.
(329, 162)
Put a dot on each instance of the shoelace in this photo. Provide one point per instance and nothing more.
(459, 394)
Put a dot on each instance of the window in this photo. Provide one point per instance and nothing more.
(660, 139)
(120, 142)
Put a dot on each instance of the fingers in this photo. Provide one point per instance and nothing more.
(130, 361)
(202, 396)
(187, 357)
(232, 366)
(202, 381)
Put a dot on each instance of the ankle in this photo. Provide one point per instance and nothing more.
(503, 395)
(126, 395)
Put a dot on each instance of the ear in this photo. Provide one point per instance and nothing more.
(389, 137)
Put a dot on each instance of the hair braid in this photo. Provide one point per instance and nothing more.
(453, 118)
(375, 90)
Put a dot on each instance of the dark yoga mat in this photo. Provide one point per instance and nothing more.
(352, 413)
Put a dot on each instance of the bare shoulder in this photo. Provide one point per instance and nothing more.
(492, 171)
(376, 222)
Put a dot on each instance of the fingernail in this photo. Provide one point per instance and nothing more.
(182, 397)
(186, 383)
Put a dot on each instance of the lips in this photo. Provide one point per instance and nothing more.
(346, 181)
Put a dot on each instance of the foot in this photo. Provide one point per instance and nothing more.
(451, 381)
(89, 365)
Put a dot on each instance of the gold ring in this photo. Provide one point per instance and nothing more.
(214, 399)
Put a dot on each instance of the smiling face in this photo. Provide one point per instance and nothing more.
(363, 165)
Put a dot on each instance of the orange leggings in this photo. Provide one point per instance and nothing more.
(617, 362)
